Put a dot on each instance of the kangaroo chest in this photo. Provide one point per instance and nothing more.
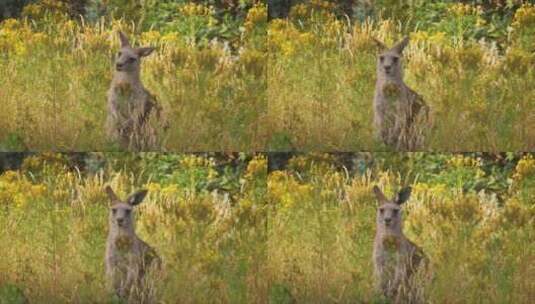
(124, 251)
(390, 97)
(392, 254)
(127, 98)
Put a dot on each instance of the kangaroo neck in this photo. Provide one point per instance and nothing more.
(389, 233)
(118, 232)
(132, 78)
(386, 79)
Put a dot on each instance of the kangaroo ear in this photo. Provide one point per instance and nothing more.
(144, 51)
(137, 197)
(381, 198)
(403, 195)
(124, 39)
(380, 45)
(398, 48)
(111, 195)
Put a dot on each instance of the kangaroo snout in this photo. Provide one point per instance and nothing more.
(388, 221)
(119, 66)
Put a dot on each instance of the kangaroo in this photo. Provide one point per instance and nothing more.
(129, 104)
(400, 114)
(395, 257)
(128, 258)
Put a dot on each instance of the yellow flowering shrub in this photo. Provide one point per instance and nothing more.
(194, 9)
(256, 168)
(285, 192)
(459, 161)
(287, 40)
(54, 8)
(524, 17)
(18, 38)
(193, 161)
(16, 191)
(525, 168)
(299, 11)
(461, 9)
(256, 17)
(150, 37)
(523, 179)
(48, 163)
(523, 27)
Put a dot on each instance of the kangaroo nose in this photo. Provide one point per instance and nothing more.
(120, 221)
(388, 220)
(118, 65)
(387, 68)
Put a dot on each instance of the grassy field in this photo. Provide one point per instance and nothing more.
(56, 71)
(299, 235)
(54, 226)
(321, 227)
(321, 78)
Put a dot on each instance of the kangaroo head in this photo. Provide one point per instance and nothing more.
(121, 212)
(389, 59)
(389, 210)
(129, 58)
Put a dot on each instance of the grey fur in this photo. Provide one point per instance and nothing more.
(130, 105)
(395, 257)
(400, 114)
(128, 258)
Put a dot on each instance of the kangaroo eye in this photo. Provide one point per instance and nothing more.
(128, 211)
(114, 210)
(382, 58)
(395, 59)
(382, 210)
(119, 54)
(131, 59)
(396, 211)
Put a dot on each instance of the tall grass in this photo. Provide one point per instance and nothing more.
(54, 228)
(55, 74)
(321, 229)
(321, 82)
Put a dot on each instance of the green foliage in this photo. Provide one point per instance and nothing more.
(468, 171)
(13, 142)
(197, 22)
(11, 294)
(115, 9)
